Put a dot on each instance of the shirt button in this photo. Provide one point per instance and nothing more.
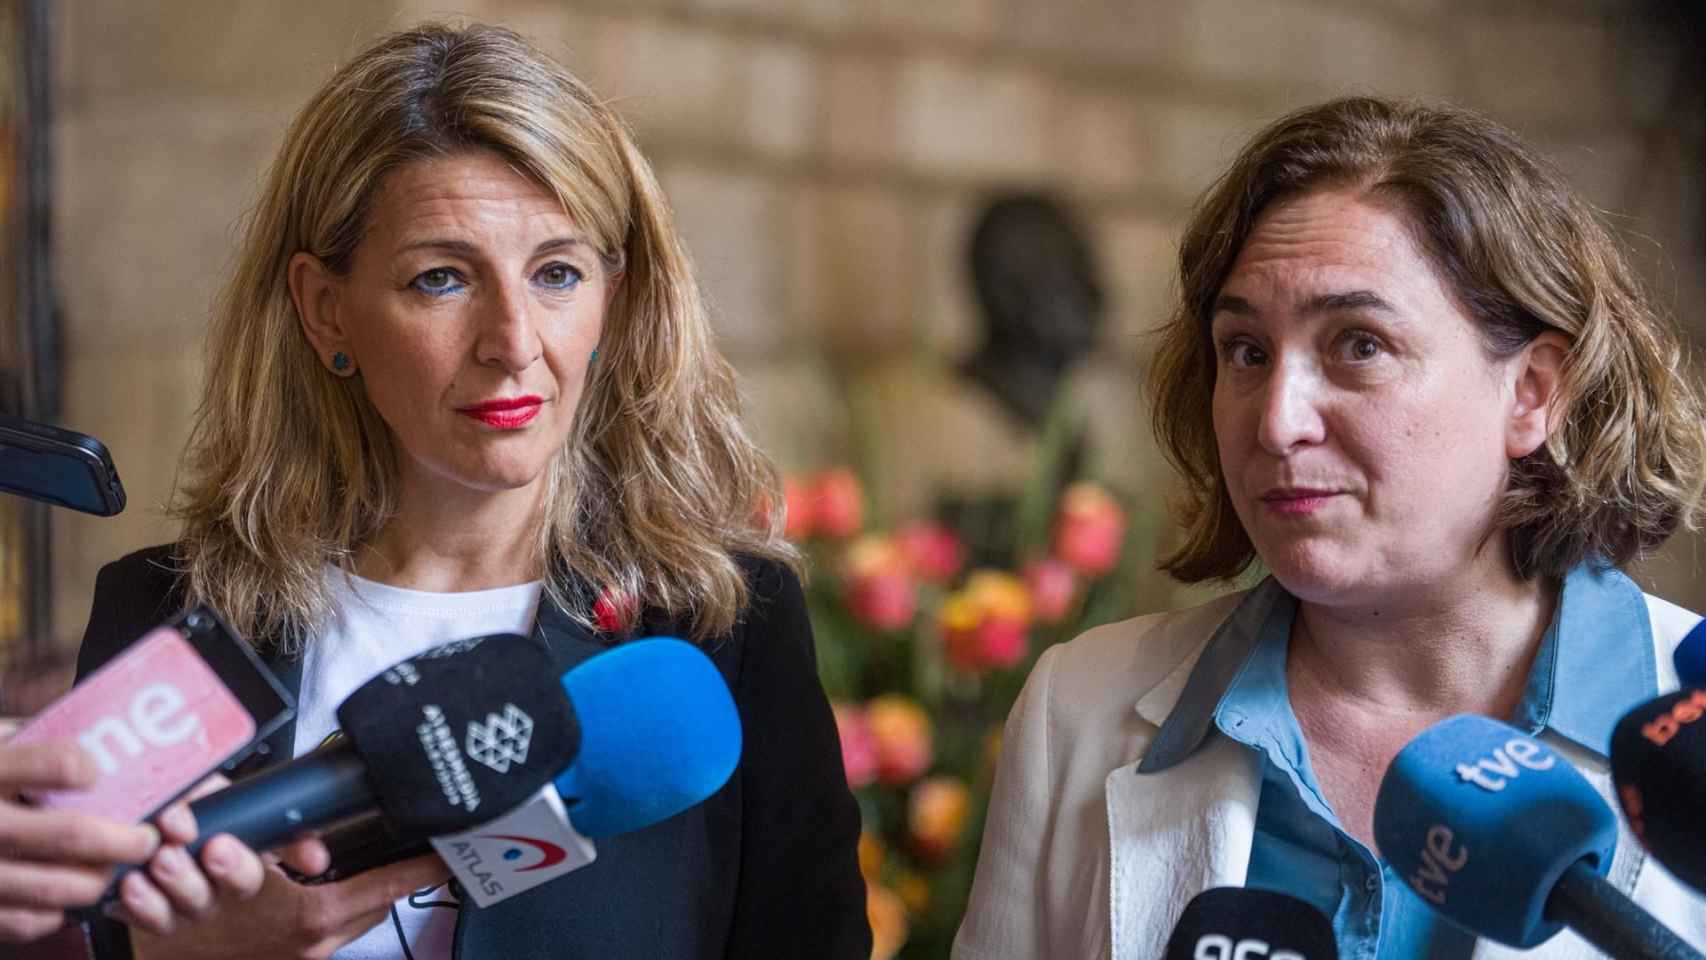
(1373, 884)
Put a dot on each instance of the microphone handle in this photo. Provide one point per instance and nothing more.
(264, 811)
(1587, 903)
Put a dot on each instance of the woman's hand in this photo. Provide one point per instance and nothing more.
(54, 860)
(286, 919)
(237, 903)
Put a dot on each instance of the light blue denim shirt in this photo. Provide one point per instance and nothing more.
(1595, 662)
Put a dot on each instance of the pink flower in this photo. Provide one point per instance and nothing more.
(901, 731)
(1053, 588)
(1088, 530)
(881, 592)
(858, 749)
(838, 503)
(933, 552)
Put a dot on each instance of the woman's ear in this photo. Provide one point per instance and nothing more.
(315, 291)
(1538, 373)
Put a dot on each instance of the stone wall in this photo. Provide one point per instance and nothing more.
(825, 158)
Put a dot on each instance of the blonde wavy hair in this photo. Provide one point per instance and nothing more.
(658, 492)
(1626, 464)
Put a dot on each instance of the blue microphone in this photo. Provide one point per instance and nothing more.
(1690, 657)
(659, 734)
(1504, 838)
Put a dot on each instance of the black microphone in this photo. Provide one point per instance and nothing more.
(439, 743)
(1658, 763)
(1238, 923)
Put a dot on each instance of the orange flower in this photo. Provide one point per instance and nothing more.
(936, 816)
(1088, 529)
(901, 731)
(870, 854)
(888, 921)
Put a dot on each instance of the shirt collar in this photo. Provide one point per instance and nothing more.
(1582, 681)
(1596, 662)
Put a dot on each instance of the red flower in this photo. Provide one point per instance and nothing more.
(901, 731)
(1088, 530)
(614, 611)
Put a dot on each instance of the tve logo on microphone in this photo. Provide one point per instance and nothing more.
(1215, 946)
(153, 720)
(518, 851)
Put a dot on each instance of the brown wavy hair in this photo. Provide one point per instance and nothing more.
(289, 469)
(1626, 464)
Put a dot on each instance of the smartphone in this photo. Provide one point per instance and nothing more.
(174, 707)
(58, 466)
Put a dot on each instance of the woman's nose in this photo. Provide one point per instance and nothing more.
(508, 334)
(1291, 410)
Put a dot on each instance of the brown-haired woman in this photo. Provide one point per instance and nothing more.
(461, 382)
(1411, 375)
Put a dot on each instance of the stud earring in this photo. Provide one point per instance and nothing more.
(340, 362)
(594, 357)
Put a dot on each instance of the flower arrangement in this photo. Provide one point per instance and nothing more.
(923, 650)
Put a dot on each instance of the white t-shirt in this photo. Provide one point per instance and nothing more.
(372, 627)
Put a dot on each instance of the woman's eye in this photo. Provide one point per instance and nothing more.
(559, 276)
(438, 281)
(1362, 347)
(1243, 354)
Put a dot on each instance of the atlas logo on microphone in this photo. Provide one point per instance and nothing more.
(1215, 946)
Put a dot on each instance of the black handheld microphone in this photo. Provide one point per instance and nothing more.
(1501, 835)
(1238, 923)
(1658, 763)
(461, 734)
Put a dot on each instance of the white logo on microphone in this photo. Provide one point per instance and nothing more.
(501, 741)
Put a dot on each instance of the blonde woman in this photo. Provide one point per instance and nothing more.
(461, 382)
(1411, 374)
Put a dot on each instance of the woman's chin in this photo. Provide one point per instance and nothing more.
(1314, 572)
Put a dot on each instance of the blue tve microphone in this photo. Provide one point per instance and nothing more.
(464, 733)
(1690, 657)
(1507, 840)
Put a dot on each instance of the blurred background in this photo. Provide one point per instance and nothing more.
(829, 162)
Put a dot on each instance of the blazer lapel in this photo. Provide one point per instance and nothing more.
(1177, 832)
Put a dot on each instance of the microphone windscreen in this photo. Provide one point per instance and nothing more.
(1658, 762)
(1690, 657)
(462, 733)
(659, 734)
(1481, 820)
(1237, 922)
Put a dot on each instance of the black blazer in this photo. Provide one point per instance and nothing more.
(767, 867)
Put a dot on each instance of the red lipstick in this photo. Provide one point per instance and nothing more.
(504, 413)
